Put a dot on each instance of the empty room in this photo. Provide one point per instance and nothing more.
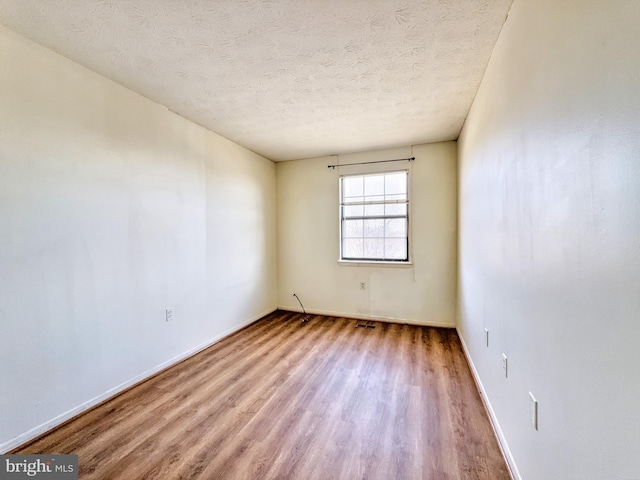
(368, 239)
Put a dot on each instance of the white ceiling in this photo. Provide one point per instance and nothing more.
(286, 78)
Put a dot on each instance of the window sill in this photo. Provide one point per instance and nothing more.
(374, 263)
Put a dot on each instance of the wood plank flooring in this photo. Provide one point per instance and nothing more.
(286, 400)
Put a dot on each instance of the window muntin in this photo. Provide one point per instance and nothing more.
(374, 217)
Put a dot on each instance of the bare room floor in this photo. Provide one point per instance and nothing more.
(287, 400)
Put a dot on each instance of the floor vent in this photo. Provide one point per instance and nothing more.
(362, 325)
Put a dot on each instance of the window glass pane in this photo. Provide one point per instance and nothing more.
(395, 183)
(352, 228)
(374, 228)
(352, 187)
(353, 211)
(373, 210)
(395, 209)
(373, 248)
(374, 185)
(395, 248)
(395, 227)
(352, 248)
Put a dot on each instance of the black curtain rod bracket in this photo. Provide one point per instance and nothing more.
(410, 159)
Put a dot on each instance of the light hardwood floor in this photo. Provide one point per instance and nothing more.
(285, 400)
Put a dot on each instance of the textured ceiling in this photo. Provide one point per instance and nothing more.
(285, 78)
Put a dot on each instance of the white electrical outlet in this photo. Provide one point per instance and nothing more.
(505, 365)
(486, 336)
(168, 314)
(363, 286)
(533, 409)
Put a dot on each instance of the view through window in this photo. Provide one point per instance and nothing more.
(374, 217)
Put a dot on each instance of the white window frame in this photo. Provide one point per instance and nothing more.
(342, 218)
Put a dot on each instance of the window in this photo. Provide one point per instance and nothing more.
(374, 217)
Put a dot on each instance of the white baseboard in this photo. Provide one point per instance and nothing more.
(63, 417)
(502, 441)
(358, 316)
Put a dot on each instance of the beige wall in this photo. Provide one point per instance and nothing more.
(308, 240)
(550, 237)
(112, 209)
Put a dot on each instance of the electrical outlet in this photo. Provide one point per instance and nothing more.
(533, 409)
(486, 337)
(363, 286)
(505, 365)
(168, 314)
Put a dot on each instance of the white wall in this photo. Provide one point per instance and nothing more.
(308, 240)
(112, 208)
(549, 248)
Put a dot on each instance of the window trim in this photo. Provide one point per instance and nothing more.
(372, 261)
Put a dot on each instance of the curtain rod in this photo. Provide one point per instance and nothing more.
(410, 159)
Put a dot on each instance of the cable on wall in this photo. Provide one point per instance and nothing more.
(305, 319)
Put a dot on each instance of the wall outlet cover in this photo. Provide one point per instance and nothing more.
(533, 405)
